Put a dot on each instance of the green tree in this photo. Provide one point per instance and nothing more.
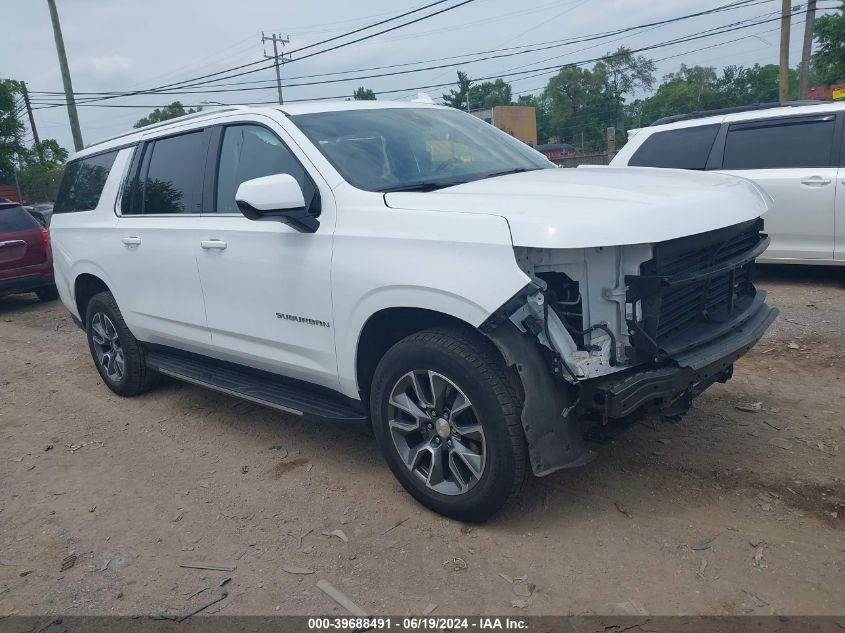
(623, 75)
(490, 94)
(458, 98)
(829, 60)
(579, 104)
(740, 86)
(41, 170)
(47, 152)
(363, 94)
(11, 130)
(171, 111)
(577, 107)
(697, 88)
(690, 89)
(484, 95)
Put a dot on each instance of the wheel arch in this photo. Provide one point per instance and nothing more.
(85, 286)
(388, 326)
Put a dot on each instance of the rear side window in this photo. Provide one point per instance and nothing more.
(686, 148)
(83, 182)
(172, 183)
(780, 143)
(16, 219)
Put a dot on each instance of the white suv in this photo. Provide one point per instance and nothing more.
(793, 151)
(413, 267)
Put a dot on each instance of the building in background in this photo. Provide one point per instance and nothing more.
(9, 192)
(823, 93)
(556, 150)
(518, 121)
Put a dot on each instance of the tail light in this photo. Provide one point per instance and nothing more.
(45, 244)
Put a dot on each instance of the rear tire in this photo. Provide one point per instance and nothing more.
(50, 293)
(118, 355)
(447, 419)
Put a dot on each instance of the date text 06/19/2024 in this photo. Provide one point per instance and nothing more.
(418, 624)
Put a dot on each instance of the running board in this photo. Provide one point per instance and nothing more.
(260, 387)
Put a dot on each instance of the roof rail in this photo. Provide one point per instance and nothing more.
(179, 119)
(746, 108)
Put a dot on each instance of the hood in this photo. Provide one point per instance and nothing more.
(599, 206)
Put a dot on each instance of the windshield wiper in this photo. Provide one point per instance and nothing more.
(507, 172)
(432, 185)
(423, 186)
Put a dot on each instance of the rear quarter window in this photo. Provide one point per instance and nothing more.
(16, 219)
(83, 182)
(686, 148)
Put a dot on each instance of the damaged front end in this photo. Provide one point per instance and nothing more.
(606, 333)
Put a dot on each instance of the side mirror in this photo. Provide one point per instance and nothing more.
(278, 197)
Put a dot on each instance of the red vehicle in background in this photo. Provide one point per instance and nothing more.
(26, 260)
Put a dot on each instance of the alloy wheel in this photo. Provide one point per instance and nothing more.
(436, 431)
(107, 346)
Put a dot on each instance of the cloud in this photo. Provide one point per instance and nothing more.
(104, 66)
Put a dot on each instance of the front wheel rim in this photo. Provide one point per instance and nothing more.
(108, 349)
(436, 431)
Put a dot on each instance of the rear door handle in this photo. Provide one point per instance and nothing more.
(131, 241)
(216, 244)
(816, 181)
(12, 243)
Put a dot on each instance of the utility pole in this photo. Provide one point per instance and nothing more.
(276, 39)
(71, 102)
(29, 112)
(804, 76)
(783, 80)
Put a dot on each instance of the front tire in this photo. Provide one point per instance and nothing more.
(118, 356)
(447, 419)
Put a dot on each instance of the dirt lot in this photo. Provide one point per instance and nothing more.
(730, 511)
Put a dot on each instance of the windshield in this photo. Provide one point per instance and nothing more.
(406, 149)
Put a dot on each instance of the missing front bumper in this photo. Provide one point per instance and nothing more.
(671, 386)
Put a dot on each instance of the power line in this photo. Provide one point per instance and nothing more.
(542, 46)
(312, 28)
(662, 59)
(537, 72)
(368, 27)
(708, 33)
(425, 17)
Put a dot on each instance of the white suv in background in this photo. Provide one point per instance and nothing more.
(412, 267)
(793, 151)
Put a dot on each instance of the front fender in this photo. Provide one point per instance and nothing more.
(458, 264)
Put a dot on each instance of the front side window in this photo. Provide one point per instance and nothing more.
(172, 182)
(83, 182)
(685, 148)
(389, 149)
(780, 143)
(252, 151)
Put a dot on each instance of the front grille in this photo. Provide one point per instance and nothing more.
(692, 287)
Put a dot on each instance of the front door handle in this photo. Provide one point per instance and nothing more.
(131, 241)
(816, 181)
(213, 244)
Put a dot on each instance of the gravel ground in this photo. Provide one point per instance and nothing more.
(731, 511)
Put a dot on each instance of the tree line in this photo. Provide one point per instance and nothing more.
(578, 104)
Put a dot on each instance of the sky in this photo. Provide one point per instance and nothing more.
(122, 45)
